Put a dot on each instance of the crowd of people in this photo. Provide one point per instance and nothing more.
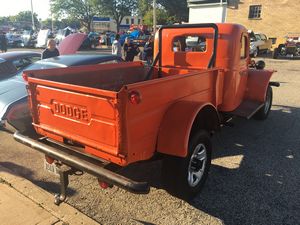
(131, 50)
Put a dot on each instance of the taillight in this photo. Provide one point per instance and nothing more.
(49, 159)
(135, 97)
(104, 184)
(25, 77)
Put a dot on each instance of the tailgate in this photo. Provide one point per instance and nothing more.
(81, 114)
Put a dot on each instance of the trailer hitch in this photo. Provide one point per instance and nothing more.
(75, 163)
(64, 172)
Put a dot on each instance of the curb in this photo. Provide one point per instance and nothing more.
(64, 212)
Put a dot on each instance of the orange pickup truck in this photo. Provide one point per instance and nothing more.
(88, 117)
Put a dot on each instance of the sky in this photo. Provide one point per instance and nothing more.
(13, 7)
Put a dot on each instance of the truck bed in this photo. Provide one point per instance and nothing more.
(106, 78)
(89, 105)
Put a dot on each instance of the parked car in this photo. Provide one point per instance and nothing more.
(291, 47)
(259, 43)
(62, 33)
(141, 40)
(29, 38)
(91, 41)
(12, 62)
(14, 40)
(42, 38)
(14, 113)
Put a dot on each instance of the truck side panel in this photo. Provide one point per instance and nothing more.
(257, 84)
(144, 119)
(174, 134)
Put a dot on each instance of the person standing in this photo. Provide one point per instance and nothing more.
(51, 50)
(130, 50)
(116, 46)
(148, 51)
(3, 42)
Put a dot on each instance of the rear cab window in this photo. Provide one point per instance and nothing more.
(193, 43)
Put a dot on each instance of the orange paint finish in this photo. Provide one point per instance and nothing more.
(257, 85)
(94, 105)
(174, 132)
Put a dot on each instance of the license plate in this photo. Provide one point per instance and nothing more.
(52, 168)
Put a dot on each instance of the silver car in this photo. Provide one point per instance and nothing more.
(14, 111)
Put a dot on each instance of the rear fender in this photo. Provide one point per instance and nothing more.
(179, 122)
(257, 84)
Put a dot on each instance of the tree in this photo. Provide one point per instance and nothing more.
(24, 19)
(161, 17)
(143, 6)
(170, 11)
(118, 9)
(60, 24)
(177, 9)
(82, 10)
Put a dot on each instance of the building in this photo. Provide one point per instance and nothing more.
(275, 18)
(104, 24)
(207, 11)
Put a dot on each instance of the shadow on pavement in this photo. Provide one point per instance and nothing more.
(255, 175)
(29, 174)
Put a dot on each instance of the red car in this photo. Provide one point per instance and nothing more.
(291, 48)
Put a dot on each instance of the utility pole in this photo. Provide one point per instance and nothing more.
(52, 24)
(154, 16)
(33, 26)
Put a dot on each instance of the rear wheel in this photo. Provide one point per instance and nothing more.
(275, 53)
(255, 53)
(263, 113)
(184, 177)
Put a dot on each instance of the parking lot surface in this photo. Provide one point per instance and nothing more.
(254, 178)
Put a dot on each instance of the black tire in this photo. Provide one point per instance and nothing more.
(258, 52)
(275, 53)
(263, 113)
(254, 55)
(176, 170)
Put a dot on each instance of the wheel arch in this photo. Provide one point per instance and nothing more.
(257, 84)
(180, 121)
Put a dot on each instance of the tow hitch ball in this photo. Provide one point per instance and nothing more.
(64, 172)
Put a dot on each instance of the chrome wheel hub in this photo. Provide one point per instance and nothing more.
(197, 165)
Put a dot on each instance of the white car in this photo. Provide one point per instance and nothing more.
(259, 43)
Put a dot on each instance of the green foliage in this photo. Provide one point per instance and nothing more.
(60, 24)
(81, 10)
(177, 9)
(161, 17)
(21, 20)
(118, 9)
(143, 7)
(168, 11)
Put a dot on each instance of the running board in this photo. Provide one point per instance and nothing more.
(247, 109)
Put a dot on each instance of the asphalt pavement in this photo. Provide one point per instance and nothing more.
(254, 178)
